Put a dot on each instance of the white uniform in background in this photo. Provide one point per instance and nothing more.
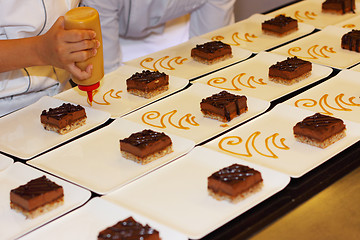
(134, 28)
(20, 19)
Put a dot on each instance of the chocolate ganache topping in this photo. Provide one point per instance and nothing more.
(342, 3)
(35, 188)
(234, 173)
(318, 120)
(280, 20)
(352, 39)
(211, 47)
(146, 76)
(61, 111)
(144, 138)
(290, 64)
(127, 229)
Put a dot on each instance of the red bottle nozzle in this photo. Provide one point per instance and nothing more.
(89, 90)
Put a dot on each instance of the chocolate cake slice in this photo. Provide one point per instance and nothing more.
(223, 106)
(129, 229)
(338, 6)
(280, 26)
(319, 130)
(36, 197)
(64, 118)
(211, 52)
(351, 41)
(290, 71)
(147, 83)
(145, 146)
(234, 182)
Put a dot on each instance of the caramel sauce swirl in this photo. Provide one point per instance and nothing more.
(111, 93)
(314, 52)
(350, 25)
(306, 15)
(236, 38)
(250, 143)
(160, 63)
(154, 115)
(323, 103)
(237, 80)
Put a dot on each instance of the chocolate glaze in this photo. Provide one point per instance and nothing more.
(222, 99)
(128, 229)
(319, 126)
(280, 20)
(59, 112)
(35, 188)
(351, 40)
(144, 138)
(146, 76)
(234, 173)
(211, 47)
(290, 64)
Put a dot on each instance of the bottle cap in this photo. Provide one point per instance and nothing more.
(89, 90)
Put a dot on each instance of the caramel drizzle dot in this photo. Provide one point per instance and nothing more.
(348, 25)
(153, 115)
(215, 82)
(250, 142)
(110, 93)
(235, 38)
(307, 15)
(324, 105)
(160, 62)
(314, 52)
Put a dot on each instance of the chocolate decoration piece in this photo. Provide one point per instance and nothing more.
(211, 52)
(223, 106)
(129, 229)
(233, 181)
(147, 83)
(280, 25)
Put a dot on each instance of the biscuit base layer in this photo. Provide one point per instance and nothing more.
(151, 94)
(235, 199)
(221, 118)
(289, 82)
(40, 210)
(271, 33)
(324, 143)
(66, 129)
(212, 61)
(149, 158)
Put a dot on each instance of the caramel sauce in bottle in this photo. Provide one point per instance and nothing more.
(88, 18)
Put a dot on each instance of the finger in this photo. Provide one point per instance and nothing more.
(76, 35)
(83, 45)
(82, 56)
(80, 74)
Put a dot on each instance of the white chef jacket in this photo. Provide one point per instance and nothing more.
(27, 18)
(133, 28)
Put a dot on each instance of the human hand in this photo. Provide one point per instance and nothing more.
(63, 48)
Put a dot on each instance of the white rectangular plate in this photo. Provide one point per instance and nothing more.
(177, 60)
(323, 47)
(177, 195)
(112, 95)
(310, 12)
(96, 215)
(23, 136)
(269, 141)
(338, 97)
(95, 161)
(5, 162)
(180, 114)
(251, 77)
(14, 224)
(248, 34)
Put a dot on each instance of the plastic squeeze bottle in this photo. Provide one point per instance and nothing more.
(88, 18)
